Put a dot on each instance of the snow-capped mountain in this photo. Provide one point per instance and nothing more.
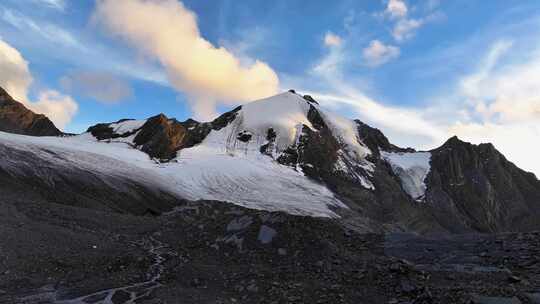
(283, 153)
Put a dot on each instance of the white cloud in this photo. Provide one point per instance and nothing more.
(16, 80)
(58, 107)
(405, 28)
(396, 8)
(167, 31)
(55, 4)
(404, 126)
(15, 77)
(332, 40)
(57, 43)
(48, 31)
(331, 63)
(101, 86)
(504, 93)
(378, 53)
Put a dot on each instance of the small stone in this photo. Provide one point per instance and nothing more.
(407, 286)
(282, 251)
(195, 282)
(266, 234)
(252, 288)
(514, 279)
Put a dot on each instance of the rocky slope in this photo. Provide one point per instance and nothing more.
(480, 189)
(16, 118)
(214, 252)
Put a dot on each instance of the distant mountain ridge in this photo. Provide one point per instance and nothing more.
(16, 118)
(286, 153)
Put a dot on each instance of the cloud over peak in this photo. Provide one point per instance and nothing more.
(167, 31)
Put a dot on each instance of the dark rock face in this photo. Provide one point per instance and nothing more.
(16, 118)
(104, 131)
(160, 137)
(244, 136)
(483, 189)
(310, 99)
(317, 149)
(271, 138)
(376, 140)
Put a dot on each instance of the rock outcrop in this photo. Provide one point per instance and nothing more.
(161, 137)
(16, 118)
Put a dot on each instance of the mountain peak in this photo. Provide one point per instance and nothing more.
(16, 118)
(454, 140)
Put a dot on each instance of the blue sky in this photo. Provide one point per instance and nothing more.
(419, 70)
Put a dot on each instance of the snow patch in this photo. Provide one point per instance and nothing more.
(412, 169)
(352, 157)
(237, 172)
(86, 153)
(208, 171)
(127, 126)
(285, 113)
(346, 131)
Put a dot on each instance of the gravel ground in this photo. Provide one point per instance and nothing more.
(212, 252)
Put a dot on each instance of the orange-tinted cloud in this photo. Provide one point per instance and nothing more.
(167, 31)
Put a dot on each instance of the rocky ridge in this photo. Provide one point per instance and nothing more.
(16, 118)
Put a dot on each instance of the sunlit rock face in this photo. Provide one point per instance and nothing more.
(16, 118)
